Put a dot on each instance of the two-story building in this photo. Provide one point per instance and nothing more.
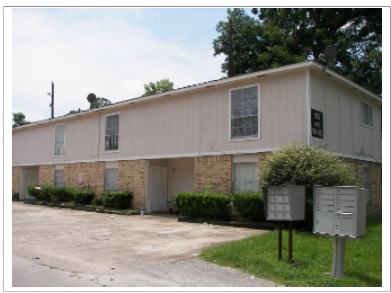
(218, 133)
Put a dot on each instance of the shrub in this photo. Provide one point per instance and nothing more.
(117, 199)
(34, 191)
(97, 202)
(204, 205)
(46, 192)
(249, 204)
(83, 196)
(301, 164)
(68, 193)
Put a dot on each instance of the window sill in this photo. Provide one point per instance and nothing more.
(368, 126)
(244, 139)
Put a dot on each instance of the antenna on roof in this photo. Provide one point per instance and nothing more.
(329, 54)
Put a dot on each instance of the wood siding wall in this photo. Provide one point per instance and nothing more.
(192, 123)
(343, 131)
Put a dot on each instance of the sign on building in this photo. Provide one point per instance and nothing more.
(317, 123)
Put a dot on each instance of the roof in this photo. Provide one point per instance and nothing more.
(208, 84)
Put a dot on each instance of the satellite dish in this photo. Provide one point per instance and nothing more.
(91, 98)
(331, 52)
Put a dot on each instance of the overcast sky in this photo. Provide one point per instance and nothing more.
(111, 52)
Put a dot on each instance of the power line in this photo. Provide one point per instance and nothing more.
(67, 90)
(143, 55)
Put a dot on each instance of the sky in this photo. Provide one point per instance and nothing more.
(111, 52)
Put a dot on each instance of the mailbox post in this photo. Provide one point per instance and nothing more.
(284, 204)
(339, 212)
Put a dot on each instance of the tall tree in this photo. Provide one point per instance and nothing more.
(160, 86)
(286, 36)
(19, 119)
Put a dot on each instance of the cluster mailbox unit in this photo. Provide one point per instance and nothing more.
(284, 204)
(339, 212)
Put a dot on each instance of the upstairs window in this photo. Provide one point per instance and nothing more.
(366, 114)
(244, 112)
(59, 139)
(112, 132)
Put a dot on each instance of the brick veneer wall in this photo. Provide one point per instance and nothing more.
(375, 204)
(46, 175)
(131, 176)
(15, 179)
(93, 176)
(213, 170)
(262, 166)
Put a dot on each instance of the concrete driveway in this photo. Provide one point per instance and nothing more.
(76, 248)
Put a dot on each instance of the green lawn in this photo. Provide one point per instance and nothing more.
(314, 254)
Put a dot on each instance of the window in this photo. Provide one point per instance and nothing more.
(59, 137)
(244, 112)
(245, 177)
(366, 114)
(111, 179)
(112, 132)
(58, 178)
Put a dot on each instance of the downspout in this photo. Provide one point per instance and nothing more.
(308, 104)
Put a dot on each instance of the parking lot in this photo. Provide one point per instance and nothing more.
(97, 249)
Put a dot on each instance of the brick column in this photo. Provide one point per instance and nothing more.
(16, 179)
(46, 175)
(262, 166)
(131, 177)
(213, 170)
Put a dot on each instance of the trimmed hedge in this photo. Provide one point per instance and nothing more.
(203, 205)
(83, 196)
(117, 199)
(250, 205)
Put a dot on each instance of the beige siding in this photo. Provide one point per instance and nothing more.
(192, 123)
(343, 131)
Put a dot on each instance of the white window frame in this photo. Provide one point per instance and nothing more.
(111, 179)
(58, 141)
(57, 175)
(250, 137)
(364, 116)
(105, 133)
(248, 181)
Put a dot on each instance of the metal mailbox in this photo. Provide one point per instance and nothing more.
(284, 203)
(340, 211)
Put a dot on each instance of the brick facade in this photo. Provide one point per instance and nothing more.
(46, 175)
(16, 179)
(131, 176)
(93, 176)
(213, 170)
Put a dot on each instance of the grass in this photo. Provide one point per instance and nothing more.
(314, 254)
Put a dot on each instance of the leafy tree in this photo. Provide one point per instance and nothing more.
(160, 86)
(19, 119)
(289, 35)
(73, 112)
(96, 102)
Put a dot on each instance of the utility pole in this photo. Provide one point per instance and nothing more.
(230, 57)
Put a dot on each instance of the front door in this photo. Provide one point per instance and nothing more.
(30, 176)
(158, 181)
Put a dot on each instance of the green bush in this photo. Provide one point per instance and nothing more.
(249, 204)
(46, 192)
(83, 196)
(68, 193)
(301, 164)
(117, 199)
(34, 191)
(203, 205)
(97, 202)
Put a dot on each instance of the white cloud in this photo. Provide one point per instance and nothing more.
(110, 52)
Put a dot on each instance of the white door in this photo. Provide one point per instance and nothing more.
(158, 188)
(30, 176)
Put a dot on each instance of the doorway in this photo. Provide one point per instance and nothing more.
(158, 188)
(29, 176)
